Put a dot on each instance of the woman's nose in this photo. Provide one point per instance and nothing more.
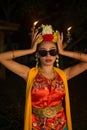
(48, 54)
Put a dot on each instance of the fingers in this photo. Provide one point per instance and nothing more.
(38, 35)
(60, 37)
(34, 34)
(35, 37)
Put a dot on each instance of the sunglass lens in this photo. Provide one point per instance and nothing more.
(43, 53)
(53, 52)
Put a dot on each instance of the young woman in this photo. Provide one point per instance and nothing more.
(46, 85)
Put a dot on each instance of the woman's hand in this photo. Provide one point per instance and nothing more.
(60, 43)
(35, 39)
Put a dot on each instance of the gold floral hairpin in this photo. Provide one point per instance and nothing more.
(47, 34)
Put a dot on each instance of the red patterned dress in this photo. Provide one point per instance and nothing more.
(46, 93)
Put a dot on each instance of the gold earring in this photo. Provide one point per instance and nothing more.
(37, 60)
(57, 61)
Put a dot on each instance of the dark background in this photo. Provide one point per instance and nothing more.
(61, 14)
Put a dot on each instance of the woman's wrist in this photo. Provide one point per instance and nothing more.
(32, 50)
(62, 52)
(19, 53)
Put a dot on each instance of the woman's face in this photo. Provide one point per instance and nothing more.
(47, 53)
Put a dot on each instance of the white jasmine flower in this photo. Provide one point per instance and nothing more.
(47, 29)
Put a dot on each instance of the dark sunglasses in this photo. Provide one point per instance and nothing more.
(44, 53)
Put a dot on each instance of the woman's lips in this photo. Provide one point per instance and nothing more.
(48, 60)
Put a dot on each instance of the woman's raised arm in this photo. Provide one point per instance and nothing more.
(6, 58)
(76, 55)
(72, 71)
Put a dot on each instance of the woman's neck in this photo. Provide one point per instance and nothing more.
(47, 69)
(48, 72)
